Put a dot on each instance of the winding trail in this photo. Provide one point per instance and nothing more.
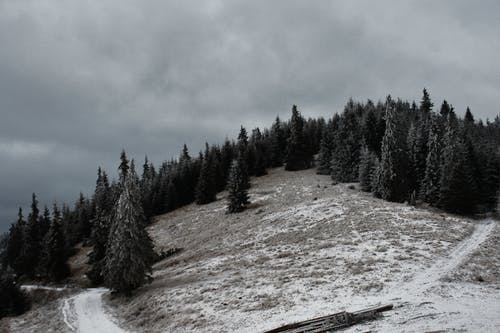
(426, 303)
(445, 265)
(84, 313)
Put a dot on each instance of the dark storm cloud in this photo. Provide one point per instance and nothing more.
(81, 80)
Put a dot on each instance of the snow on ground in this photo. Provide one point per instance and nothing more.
(307, 248)
(84, 313)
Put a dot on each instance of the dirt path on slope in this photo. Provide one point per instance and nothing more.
(84, 313)
(425, 303)
(443, 266)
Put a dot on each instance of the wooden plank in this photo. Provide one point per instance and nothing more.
(332, 322)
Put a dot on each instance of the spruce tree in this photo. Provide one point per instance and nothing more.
(206, 190)
(54, 262)
(431, 183)
(14, 300)
(412, 153)
(242, 155)
(327, 145)
(15, 244)
(129, 252)
(348, 141)
(31, 242)
(44, 224)
(278, 144)
(371, 136)
(457, 186)
(298, 156)
(100, 228)
(237, 188)
(366, 169)
(392, 168)
(259, 153)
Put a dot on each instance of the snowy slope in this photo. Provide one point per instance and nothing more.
(306, 248)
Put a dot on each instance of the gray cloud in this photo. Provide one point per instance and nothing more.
(79, 81)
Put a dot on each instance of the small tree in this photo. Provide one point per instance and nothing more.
(238, 190)
(14, 300)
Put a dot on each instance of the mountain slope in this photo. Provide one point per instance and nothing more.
(305, 248)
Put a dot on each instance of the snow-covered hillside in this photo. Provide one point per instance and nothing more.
(304, 248)
(307, 248)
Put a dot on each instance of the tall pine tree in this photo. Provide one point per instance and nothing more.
(54, 262)
(129, 252)
(298, 156)
(392, 169)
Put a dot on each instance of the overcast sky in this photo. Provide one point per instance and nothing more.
(80, 80)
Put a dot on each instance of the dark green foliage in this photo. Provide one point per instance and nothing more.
(31, 249)
(147, 181)
(100, 228)
(277, 144)
(392, 181)
(259, 153)
(15, 245)
(327, 146)
(366, 169)
(124, 166)
(14, 301)
(129, 252)
(206, 188)
(431, 184)
(348, 141)
(373, 128)
(54, 263)
(468, 118)
(237, 188)
(44, 223)
(457, 184)
(242, 155)
(299, 155)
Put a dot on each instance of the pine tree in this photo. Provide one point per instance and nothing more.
(366, 169)
(348, 141)
(430, 185)
(259, 152)
(327, 147)
(457, 186)
(370, 130)
(278, 144)
(54, 262)
(412, 153)
(14, 300)
(129, 252)
(238, 190)
(242, 156)
(392, 168)
(147, 180)
(44, 223)
(15, 244)
(298, 156)
(206, 188)
(422, 138)
(100, 228)
(124, 166)
(31, 242)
